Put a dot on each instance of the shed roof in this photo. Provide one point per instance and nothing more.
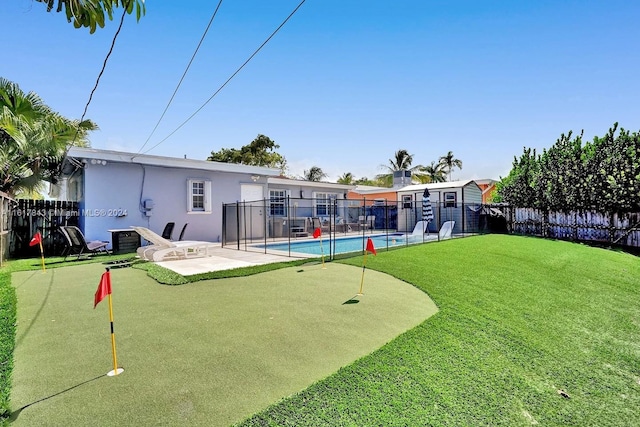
(437, 185)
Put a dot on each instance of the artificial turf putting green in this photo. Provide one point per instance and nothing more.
(206, 353)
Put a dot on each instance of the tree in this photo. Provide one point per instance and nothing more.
(346, 178)
(259, 152)
(366, 181)
(613, 171)
(603, 175)
(449, 162)
(561, 181)
(91, 13)
(518, 188)
(401, 161)
(433, 173)
(33, 139)
(314, 174)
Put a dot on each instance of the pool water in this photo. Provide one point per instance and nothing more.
(340, 245)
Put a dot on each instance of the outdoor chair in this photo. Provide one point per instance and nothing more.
(317, 223)
(446, 230)
(76, 244)
(168, 230)
(362, 222)
(162, 249)
(182, 232)
(371, 221)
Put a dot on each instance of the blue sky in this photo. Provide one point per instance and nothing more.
(344, 84)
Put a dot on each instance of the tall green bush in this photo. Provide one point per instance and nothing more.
(602, 175)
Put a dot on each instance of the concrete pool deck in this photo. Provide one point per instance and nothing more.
(227, 259)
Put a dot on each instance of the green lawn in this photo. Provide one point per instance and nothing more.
(529, 331)
(520, 319)
(206, 353)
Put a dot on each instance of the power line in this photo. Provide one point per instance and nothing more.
(232, 76)
(183, 76)
(104, 65)
(95, 87)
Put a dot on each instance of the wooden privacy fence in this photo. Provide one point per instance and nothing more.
(617, 229)
(46, 216)
(6, 203)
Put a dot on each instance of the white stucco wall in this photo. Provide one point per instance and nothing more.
(115, 188)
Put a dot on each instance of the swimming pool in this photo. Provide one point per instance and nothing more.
(343, 245)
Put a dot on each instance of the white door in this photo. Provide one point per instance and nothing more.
(252, 211)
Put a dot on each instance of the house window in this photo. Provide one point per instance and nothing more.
(277, 202)
(407, 201)
(198, 196)
(450, 199)
(325, 203)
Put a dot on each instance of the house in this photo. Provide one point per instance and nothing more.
(116, 190)
(488, 187)
(285, 207)
(456, 200)
(296, 201)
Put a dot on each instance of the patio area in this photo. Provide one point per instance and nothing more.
(225, 259)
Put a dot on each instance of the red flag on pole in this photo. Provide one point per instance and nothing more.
(317, 233)
(370, 247)
(104, 288)
(37, 238)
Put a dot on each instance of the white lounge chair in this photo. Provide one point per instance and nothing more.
(163, 249)
(446, 229)
(420, 229)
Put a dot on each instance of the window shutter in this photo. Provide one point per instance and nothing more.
(207, 196)
(189, 195)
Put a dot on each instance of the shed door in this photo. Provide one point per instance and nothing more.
(252, 211)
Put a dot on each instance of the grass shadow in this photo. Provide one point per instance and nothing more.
(15, 414)
(353, 300)
(37, 315)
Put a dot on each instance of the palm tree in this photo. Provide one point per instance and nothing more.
(433, 173)
(449, 162)
(33, 139)
(314, 174)
(346, 178)
(401, 161)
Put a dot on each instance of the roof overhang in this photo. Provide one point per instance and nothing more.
(86, 155)
(311, 184)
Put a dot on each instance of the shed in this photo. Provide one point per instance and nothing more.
(458, 201)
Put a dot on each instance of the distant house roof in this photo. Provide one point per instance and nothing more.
(89, 154)
(369, 189)
(487, 181)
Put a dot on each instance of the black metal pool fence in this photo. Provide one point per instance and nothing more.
(254, 225)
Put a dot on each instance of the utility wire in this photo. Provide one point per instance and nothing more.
(183, 76)
(104, 65)
(95, 87)
(229, 79)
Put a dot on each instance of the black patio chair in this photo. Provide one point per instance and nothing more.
(182, 232)
(76, 244)
(168, 230)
